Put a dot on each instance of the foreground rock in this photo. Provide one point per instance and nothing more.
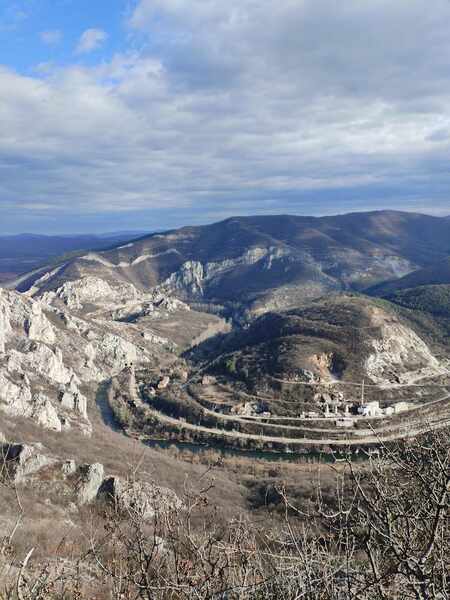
(139, 498)
(91, 478)
(22, 460)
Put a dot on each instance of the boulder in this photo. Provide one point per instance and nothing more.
(72, 399)
(22, 460)
(140, 498)
(91, 478)
(45, 413)
(68, 467)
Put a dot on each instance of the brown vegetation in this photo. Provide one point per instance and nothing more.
(383, 535)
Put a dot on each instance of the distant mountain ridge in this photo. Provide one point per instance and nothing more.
(266, 262)
(24, 252)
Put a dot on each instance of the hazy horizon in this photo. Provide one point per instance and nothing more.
(144, 231)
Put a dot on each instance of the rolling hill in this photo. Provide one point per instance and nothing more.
(341, 338)
(432, 299)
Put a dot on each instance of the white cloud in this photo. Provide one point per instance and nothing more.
(91, 40)
(52, 37)
(247, 106)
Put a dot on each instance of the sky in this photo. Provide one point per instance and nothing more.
(149, 114)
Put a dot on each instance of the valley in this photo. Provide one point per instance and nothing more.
(299, 357)
(262, 362)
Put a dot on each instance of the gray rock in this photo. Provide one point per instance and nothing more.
(140, 498)
(90, 482)
(22, 460)
(68, 467)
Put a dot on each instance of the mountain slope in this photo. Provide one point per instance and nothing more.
(435, 274)
(339, 339)
(433, 299)
(265, 262)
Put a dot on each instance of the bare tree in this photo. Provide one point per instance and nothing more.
(384, 536)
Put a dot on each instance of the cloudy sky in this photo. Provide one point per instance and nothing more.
(145, 114)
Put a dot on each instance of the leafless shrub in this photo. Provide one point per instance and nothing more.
(384, 536)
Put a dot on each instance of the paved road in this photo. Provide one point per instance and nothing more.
(409, 429)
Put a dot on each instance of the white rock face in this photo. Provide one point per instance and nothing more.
(400, 356)
(15, 398)
(18, 401)
(91, 290)
(189, 277)
(19, 313)
(193, 275)
(40, 359)
(5, 327)
(29, 357)
(251, 257)
(112, 351)
(39, 327)
(72, 399)
(45, 413)
(91, 480)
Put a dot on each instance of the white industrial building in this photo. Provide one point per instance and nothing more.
(400, 407)
(370, 409)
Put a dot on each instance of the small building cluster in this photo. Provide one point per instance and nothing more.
(373, 409)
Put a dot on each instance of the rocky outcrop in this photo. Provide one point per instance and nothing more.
(72, 399)
(189, 277)
(69, 467)
(155, 306)
(17, 400)
(45, 413)
(23, 460)
(139, 498)
(47, 354)
(41, 359)
(91, 290)
(5, 326)
(18, 314)
(111, 351)
(91, 478)
(192, 276)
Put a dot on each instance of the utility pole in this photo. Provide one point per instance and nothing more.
(362, 392)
